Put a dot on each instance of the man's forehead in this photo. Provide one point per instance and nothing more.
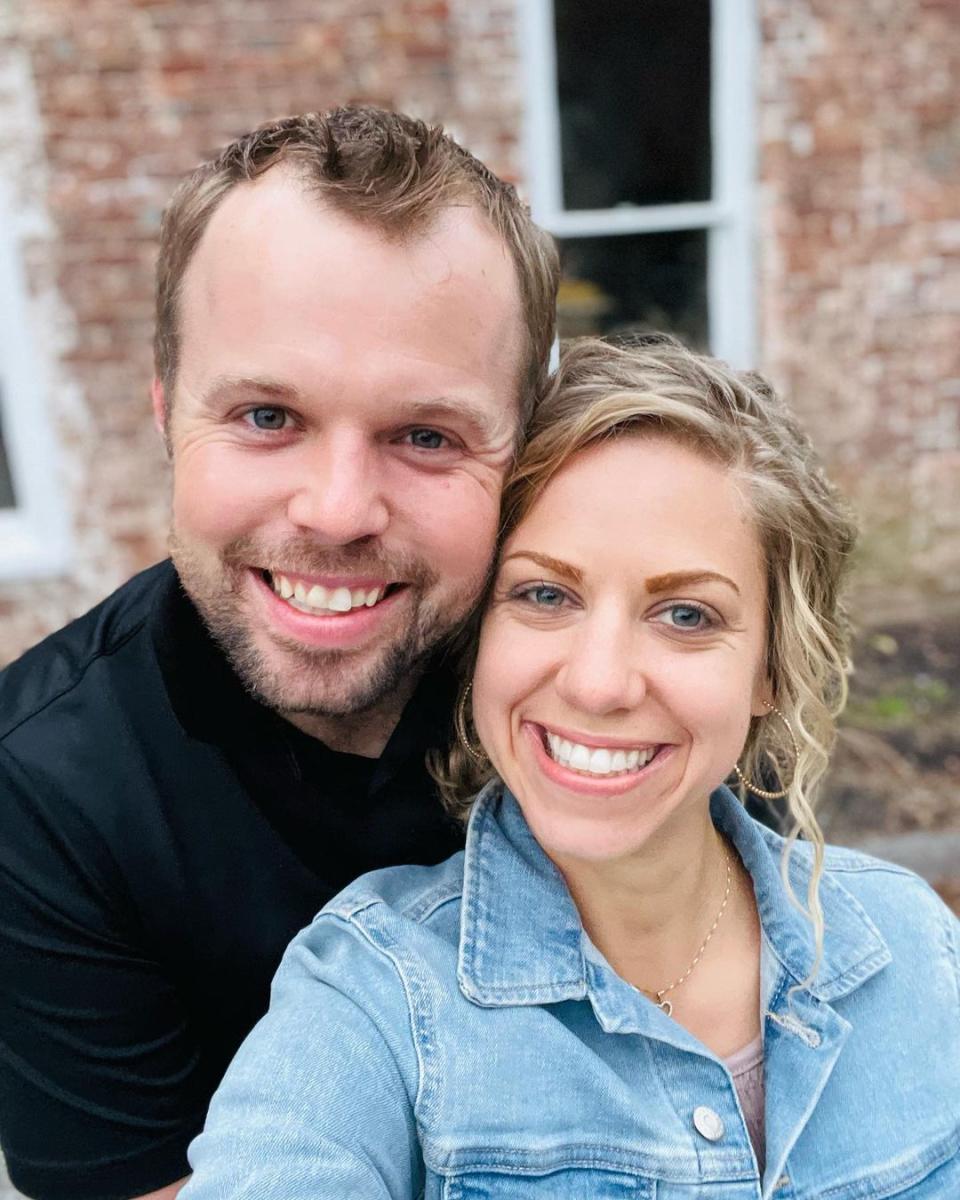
(282, 284)
(281, 209)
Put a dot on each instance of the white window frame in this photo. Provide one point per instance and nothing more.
(33, 534)
(727, 217)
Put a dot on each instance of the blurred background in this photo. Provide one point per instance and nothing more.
(777, 180)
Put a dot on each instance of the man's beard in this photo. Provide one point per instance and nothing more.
(306, 679)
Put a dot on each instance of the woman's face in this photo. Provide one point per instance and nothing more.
(623, 652)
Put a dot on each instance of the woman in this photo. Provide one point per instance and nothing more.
(625, 987)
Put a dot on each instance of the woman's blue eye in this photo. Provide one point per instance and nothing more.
(544, 595)
(686, 616)
(268, 418)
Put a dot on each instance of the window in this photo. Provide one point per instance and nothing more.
(639, 147)
(32, 525)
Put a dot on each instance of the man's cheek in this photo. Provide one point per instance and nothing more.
(467, 521)
(216, 500)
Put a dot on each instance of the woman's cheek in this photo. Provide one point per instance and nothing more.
(501, 682)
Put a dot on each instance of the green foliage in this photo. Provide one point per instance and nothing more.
(901, 703)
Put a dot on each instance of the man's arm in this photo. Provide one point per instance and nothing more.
(100, 1088)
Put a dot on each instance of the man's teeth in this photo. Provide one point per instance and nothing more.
(597, 761)
(318, 599)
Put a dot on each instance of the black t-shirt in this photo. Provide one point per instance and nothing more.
(163, 838)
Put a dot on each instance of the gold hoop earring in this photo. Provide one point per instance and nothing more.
(762, 792)
(460, 725)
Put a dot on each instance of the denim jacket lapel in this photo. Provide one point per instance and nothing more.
(520, 932)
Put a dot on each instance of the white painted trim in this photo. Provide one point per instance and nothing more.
(731, 293)
(635, 218)
(33, 535)
(727, 218)
(541, 126)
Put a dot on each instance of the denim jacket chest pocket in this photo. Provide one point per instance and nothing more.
(571, 1183)
(518, 1103)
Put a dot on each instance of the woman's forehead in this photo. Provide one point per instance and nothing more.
(651, 500)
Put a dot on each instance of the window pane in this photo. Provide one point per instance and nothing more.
(6, 483)
(633, 78)
(635, 282)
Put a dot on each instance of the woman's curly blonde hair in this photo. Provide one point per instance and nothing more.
(655, 387)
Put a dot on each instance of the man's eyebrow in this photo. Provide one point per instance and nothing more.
(224, 386)
(679, 579)
(556, 565)
(483, 422)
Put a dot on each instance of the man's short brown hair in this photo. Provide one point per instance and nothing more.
(391, 171)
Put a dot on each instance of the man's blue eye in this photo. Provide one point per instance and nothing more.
(268, 418)
(427, 439)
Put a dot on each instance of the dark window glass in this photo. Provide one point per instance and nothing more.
(633, 78)
(646, 282)
(6, 483)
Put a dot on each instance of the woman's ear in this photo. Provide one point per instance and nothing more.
(762, 699)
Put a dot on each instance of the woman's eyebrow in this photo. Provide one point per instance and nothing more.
(678, 579)
(556, 565)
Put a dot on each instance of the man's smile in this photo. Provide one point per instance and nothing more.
(329, 598)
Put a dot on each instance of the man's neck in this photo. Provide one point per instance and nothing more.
(366, 733)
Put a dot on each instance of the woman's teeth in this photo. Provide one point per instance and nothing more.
(597, 761)
(321, 601)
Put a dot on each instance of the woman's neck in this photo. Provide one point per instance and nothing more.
(649, 914)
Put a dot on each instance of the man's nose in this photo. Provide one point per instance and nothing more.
(602, 672)
(337, 492)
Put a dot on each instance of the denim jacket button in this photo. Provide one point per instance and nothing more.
(708, 1123)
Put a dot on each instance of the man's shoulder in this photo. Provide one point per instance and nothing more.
(51, 672)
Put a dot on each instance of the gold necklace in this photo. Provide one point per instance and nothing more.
(659, 996)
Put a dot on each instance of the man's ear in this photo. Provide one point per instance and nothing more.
(161, 416)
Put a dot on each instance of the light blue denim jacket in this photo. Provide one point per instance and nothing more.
(449, 1032)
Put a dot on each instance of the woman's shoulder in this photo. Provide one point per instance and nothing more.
(882, 885)
(414, 893)
(399, 915)
(904, 908)
(872, 908)
(878, 883)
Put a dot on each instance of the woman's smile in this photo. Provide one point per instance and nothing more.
(600, 768)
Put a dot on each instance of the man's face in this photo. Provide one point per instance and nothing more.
(344, 413)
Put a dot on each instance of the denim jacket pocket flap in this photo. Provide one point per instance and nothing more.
(568, 1183)
(931, 1174)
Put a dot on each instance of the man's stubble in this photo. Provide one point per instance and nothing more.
(297, 680)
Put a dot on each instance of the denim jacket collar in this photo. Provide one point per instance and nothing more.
(521, 940)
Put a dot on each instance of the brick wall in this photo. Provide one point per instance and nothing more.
(859, 242)
(104, 105)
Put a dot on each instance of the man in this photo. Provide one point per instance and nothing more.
(353, 316)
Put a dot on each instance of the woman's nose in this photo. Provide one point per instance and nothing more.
(338, 492)
(602, 672)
